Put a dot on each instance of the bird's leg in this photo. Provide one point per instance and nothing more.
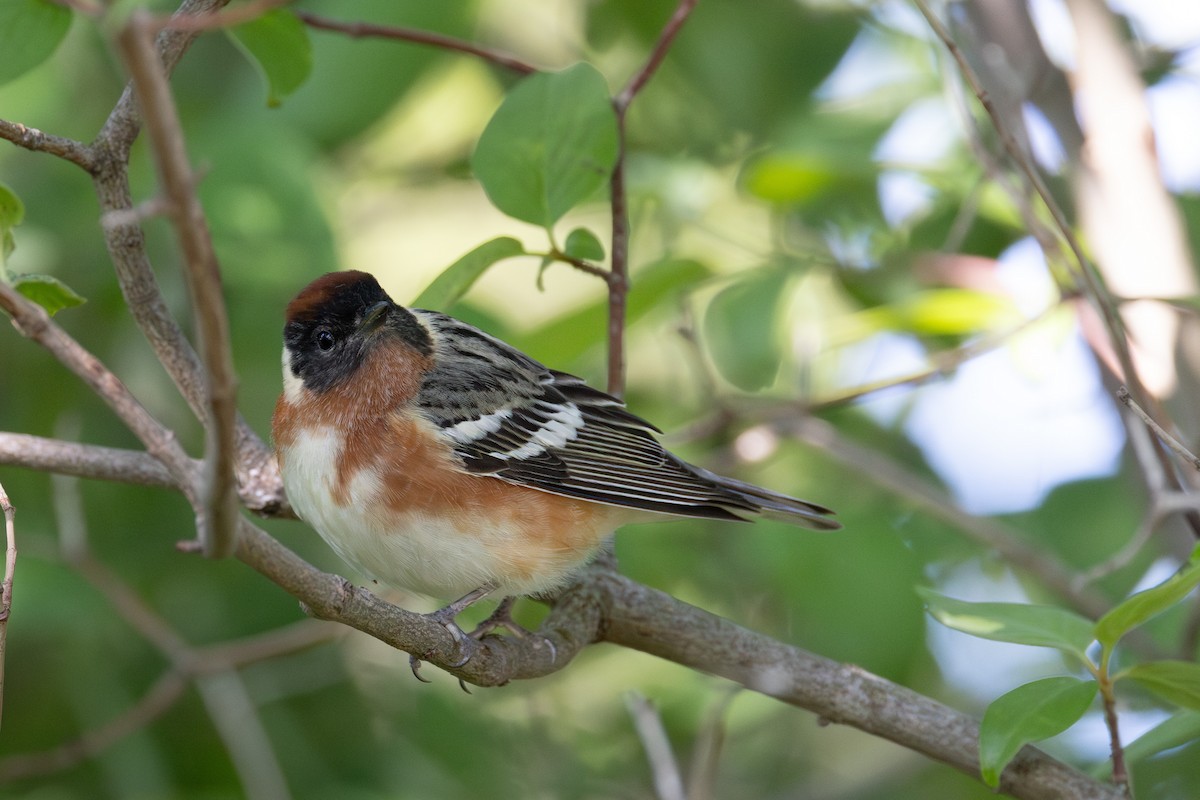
(445, 617)
(502, 618)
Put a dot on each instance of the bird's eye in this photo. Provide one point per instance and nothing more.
(325, 339)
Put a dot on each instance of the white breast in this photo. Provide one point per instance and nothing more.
(432, 555)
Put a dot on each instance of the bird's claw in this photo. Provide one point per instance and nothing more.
(464, 642)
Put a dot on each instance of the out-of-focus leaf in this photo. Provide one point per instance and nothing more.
(457, 279)
(1020, 623)
(582, 243)
(825, 163)
(1142, 606)
(48, 292)
(1029, 713)
(943, 312)
(741, 329)
(550, 145)
(277, 44)
(1176, 681)
(30, 30)
(12, 213)
(1172, 732)
(564, 339)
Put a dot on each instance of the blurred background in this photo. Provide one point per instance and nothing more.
(841, 290)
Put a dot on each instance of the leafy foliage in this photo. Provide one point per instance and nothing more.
(764, 273)
(550, 145)
(30, 31)
(1034, 711)
(277, 43)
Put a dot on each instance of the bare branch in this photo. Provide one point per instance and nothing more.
(618, 276)
(1085, 270)
(609, 607)
(33, 322)
(215, 20)
(656, 623)
(665, 39)
(1169, 440)
(236, 719)
(219, 491)
(668, 785)
(160, 698)
(6, 587)
(706, 753)
(367, 29)
(166, 692)
(32, 139)
(127, 466)
(82, 460)
(258, 472)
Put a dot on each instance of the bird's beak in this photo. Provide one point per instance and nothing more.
(375, 317)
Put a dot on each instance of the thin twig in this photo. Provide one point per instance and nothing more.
(114, 464)
(219, 491)
(33, 321)
(215, 20)
(32, 139)
(994, 535)
(235, 716)
(1167, 439)
(6, 588)
(169, 690)
(258, 472)
(665, 38)
(158, 700)
(1084, 268)
(1120, 774)
(82, 460)
(706, 753)
(941, 364)
(618, 276)
(578, 263)
(369, 30)
(668, 784)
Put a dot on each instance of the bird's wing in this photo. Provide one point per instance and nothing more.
(508, 416)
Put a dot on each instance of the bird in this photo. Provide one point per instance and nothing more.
(435, 458)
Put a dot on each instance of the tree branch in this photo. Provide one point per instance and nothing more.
(605, 606)
(32, 139)
(618, 276)
(219, 490)
(6, 587)
(257, 471)
(82, 460)
(369, 30)
(33, 322)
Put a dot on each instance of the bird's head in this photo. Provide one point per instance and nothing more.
(335, 323)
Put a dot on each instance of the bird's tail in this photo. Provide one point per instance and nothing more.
(776, 506)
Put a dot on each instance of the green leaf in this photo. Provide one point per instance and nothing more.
(1021, 623)
(551, 144)
(742, 331)
(12, 213)
(583, 244)
(1029, 713)
(277, 44)
(48, 292)
(460, 276)
(1142, 606)
(1176, 681)
(943, 312)
(30, 30)
(1177, 730)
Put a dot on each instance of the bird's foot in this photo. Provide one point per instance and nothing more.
(501, 618)
(464, 642)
